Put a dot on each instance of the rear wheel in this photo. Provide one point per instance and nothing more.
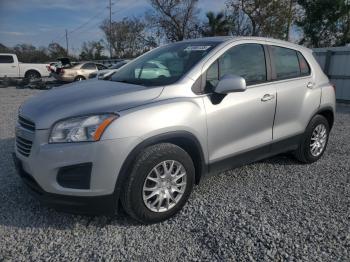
(314, 141)
(159, 184)
(79, 78)
(32, 75)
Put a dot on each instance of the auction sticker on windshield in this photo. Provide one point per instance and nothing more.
(197, 48)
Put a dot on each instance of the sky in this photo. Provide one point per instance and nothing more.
(39, 22)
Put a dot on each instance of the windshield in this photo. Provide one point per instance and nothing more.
(165, 65)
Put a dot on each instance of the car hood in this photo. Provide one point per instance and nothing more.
(83, 98)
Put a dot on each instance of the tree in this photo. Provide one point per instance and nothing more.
(217, 25)
(176, 19)
(261, 17)
(92, 50)
(55, 50)
(4, 49)
(325, 22)
(30, 54)
(129, 37)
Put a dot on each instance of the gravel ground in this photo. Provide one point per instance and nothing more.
(276, 209)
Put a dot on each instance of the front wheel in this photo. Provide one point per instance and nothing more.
(314, 141)
(159, 184)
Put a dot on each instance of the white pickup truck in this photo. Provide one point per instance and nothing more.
(11, 68)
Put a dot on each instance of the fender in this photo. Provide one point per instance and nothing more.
(183, 139)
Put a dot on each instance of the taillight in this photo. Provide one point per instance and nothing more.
(61, 71)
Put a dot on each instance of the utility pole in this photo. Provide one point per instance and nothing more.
(67, 41)
(110, 29)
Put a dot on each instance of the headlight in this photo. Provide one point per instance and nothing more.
(81, 129)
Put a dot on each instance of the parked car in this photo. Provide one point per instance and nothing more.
(62, 62)
(144, 142)
(114, 68)
(77, 72)
(10, 67)
(152, 70)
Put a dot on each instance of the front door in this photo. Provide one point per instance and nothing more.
(242, 121)
(8, 67)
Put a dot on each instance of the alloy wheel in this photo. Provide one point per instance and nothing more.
(318, 140)
(164, 186)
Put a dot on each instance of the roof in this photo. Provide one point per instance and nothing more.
(222, 39)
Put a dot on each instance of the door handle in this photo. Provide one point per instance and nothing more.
(310, 85)
(267, 97)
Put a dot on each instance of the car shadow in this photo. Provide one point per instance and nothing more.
(21, 210)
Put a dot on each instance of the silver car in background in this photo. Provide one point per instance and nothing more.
(77, 72)
(101, 74)
(144, 141)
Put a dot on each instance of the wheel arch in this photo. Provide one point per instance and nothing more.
(184, 139)
(31, 70)
(75, 78)
(328, 113)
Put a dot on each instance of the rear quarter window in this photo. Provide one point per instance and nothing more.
(304, 66)
(6, 59)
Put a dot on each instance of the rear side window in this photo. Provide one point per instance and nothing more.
(89, 66)
(6, 59)
(286, 62)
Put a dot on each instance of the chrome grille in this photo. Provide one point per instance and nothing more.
(23, 146)
(26, 124)
(24, 136)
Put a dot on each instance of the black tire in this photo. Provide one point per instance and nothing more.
(303, 153)
(32, 75)
(132, 195)
(79, 78)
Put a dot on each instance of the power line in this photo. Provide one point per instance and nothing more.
(87, 22)
(110, 28)
(85, 29)
(58, 39)
(67, 40)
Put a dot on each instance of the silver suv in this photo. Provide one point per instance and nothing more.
(167, 119)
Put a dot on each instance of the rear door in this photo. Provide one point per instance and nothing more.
(241, 121)
(87, 69)
(298, 97)
(8, 67)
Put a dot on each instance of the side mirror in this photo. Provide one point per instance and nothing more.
(231, 83)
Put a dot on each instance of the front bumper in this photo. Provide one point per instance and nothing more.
(41, 168)
(106, 204)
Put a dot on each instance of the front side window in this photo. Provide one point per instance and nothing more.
(101, 67)
(164, 65)
(246, 60)
(286, 62)
(6, 59)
